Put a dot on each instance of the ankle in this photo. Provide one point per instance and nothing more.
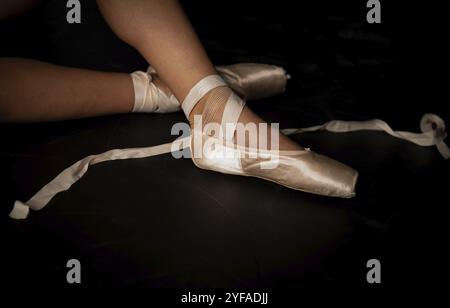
(198, 108)
(161, 84)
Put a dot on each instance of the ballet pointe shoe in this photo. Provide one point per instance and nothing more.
(149, 98)
(250, 80)
(301, 170)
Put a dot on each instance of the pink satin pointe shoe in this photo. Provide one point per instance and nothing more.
(302, 170)
(250, 80)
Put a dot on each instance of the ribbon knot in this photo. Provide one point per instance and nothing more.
(433, 123)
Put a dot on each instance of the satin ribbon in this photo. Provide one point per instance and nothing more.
(149, 98)
(431, 125)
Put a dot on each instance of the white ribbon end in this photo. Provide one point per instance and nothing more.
(20, 210)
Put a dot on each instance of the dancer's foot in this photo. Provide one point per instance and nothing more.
(246, 117)
(250, 80)
(211, 104)
(160, 84)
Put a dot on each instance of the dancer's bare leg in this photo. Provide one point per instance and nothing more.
(36, 91)
(161, 32)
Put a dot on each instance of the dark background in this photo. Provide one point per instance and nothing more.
(159, 222)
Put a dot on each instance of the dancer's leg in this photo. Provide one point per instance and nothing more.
(161, 32)
(48, 96)
(37, 91)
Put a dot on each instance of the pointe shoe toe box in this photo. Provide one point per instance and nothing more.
(307, 171)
